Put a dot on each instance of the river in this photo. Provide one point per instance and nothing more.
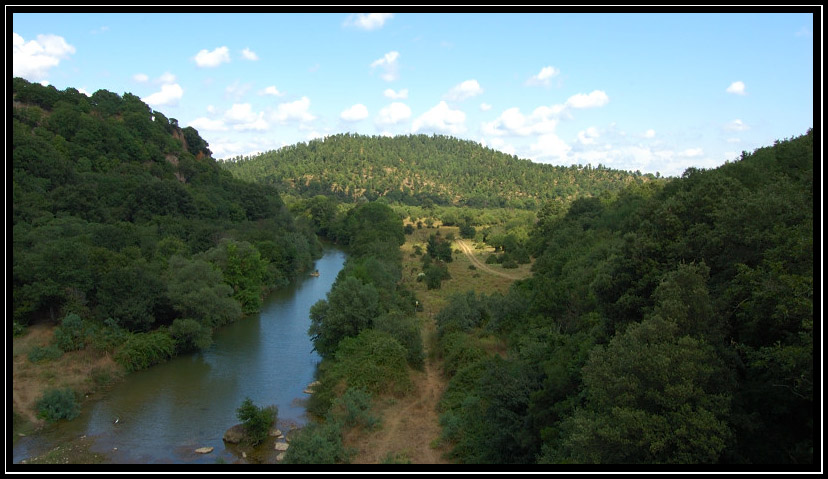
(167, 411)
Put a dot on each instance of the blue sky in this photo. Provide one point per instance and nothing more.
(633, 91)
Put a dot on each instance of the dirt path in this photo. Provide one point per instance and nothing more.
(467, 250)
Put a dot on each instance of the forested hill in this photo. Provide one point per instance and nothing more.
(122, 218)
(418, 169)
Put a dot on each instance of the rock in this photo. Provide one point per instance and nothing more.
(281, 446)
(235, 434)
(280, 456)
(275, 432)
(204, 450)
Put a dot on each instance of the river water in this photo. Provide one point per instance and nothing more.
(167, 411)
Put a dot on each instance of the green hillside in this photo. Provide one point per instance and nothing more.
(422, 170)
(123, 219)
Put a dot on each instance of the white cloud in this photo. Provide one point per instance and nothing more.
(237, 90)
(140, 78)
(367, 21)
(736, 125)
(588, 136)
(212, 59)
(649, 133)
(513, 122)
(595, 99)
(441, 118)
(241, 113)
(550, 148)
(294, 111)
(543, 77)
(691, 153)
(169, 95)
(393, 114)
(485, 107)
(389, 64)
(271, 90)
(355, 113)
(248, 54)
(206, 124)
(737, 88)
(33, 59)
(467, 89)
(167, 77)
(396, 95)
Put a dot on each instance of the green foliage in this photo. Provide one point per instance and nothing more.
(257, 421)
(57, 404)
(350, 307)
(373, 361)
(190, 335)
(142, 350)
(317, 444)
(45, 353)
(71, 334)
(405, 328)
(352, 409)
(423, 170)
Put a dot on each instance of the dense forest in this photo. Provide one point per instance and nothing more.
(666, 321)
(128, 234)
(423, 170)
(672, 323)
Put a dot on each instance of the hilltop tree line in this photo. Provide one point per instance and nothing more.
(128, 234)
(671, 323)
(423, 170)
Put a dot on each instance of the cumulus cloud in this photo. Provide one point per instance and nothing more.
(649, 133)
(388, 63)
(271, 90)
(367, 21)
(355, 113)
(248, 54)
(588, 136)
(33, 59)
(513, 122)
(168, 96)
(396, 95)
(485, 107)
(441, 118)
(140, 78)
(737, 88)
(736, 125)
(206, 124)
(294, 111)
(544, 76)
(206, 59)
(393, 114)
(549, 147)
(467, 89)
(592, 100)
(691, 153)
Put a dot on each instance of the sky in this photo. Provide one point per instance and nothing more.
(653, 92)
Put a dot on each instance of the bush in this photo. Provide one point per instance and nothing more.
(142, 350)
(190, 335)
(353, 409)
(45, 353)
(70, 335)
(317, 444)
(406, 330)
(373, 361)
(56, 404)
(256, 421)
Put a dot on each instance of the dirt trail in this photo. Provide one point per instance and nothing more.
(467, 250)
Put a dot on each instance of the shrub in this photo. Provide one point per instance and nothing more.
(317, 444)
(406, 330)
(374, 361)
(142, 350)
(190, 335)
(353, 409)
(256, 420)
(70, 335)
(56, 404)
(45, 353)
